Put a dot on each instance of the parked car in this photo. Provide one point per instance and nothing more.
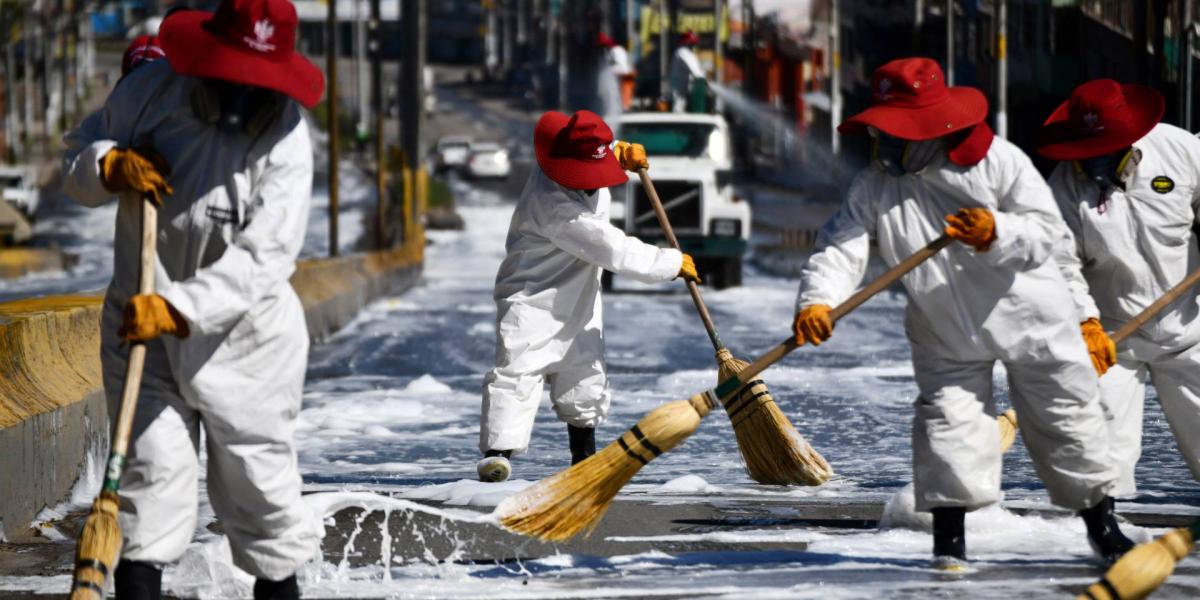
(451, 152)
(488, 160)
(19, 187)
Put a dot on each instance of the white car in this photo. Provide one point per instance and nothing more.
(19, 185)
(452, 152)
(487, 160)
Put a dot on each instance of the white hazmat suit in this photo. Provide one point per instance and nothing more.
(549, 319)
(967, 310)
(1132, 249)
(228, 238)
(685, 66)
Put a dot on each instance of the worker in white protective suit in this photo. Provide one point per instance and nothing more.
(615, 60)
(996, 296)
(214, 135)
(684, 70)
(1129, 190)
(549, 320)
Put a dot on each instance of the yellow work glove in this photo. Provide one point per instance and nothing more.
(1100, 347)
(632, 156)
(975, 227)
(142, 170)
(688, 270)
(813, 324)
(149, 316)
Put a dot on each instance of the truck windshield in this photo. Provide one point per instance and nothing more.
(692, 140)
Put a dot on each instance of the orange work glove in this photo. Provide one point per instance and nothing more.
(975, 227)
(1101, 347)
(632, 156)
(149, 316)
(813, 324)
(136, 170)
(688, 270)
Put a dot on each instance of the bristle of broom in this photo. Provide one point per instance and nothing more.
(567, 503)
(99, 544)
(1008, 429)
(1143, 569)
(773, 451)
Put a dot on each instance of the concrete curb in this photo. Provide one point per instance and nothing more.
(52, 407)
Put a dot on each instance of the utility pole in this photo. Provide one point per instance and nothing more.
(1002, 70)
(630, 36)
(564, 55)
(835, 76)
(331, 122)
(362, 105)
(375, 40)
(10, 88)
(412, 23)
(663, 49)
(718, 50)
(949, 42)
(29, 40)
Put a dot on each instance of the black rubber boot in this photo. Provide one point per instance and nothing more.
(504, 453)
(583, 442)
(137, 581)
(949, 536)
(265, 589)
(1103, 531)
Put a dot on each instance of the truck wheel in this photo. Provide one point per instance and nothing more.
(728, 273)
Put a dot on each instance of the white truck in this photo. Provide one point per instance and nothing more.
(691, 164)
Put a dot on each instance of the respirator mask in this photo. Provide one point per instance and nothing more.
(1111, 170)
(899, 157)
(235, 108)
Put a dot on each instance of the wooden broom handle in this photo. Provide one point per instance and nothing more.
(877, 285)
(137, 354)
(1151, 311)
(697, 299)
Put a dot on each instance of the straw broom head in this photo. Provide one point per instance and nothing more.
(1142, 569)
(573, 501)
(99, 544)
(773, 451)
(1008, 429)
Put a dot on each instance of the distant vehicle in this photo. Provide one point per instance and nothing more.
(451, 152)
(487, 160)
(19, 185)
(691, 163)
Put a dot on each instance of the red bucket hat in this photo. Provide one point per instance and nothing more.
(1101, 117)
(574, 151)
(604, 41)
(143, 49)
(911, 102)
(251, 42)
(689, 38)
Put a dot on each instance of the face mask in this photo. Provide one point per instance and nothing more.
(1110, 170)
(898, 157)
(234, 108)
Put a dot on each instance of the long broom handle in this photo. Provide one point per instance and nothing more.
(137, 354)
(1151, 311)
(697, 299)
(731, 385)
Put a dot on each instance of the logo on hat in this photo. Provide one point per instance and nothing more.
(1091, 121)
(601, 152)
(263, 31)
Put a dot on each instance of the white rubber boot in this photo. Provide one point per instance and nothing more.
(493, 469)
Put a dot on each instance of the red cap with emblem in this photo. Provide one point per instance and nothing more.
(911, 102)
(1101, 117)
(251, 42)
(689, 38)
(574, 151)
(143, 49)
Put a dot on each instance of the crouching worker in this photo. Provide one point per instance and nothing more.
(214, 136)
(999, 295)
(549, 325)
(1129, 190)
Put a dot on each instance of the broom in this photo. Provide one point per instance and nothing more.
(1147, 566)
(773, 451)
(561, 506)
(100, 539)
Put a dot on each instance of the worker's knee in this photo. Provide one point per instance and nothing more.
(584, 401)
